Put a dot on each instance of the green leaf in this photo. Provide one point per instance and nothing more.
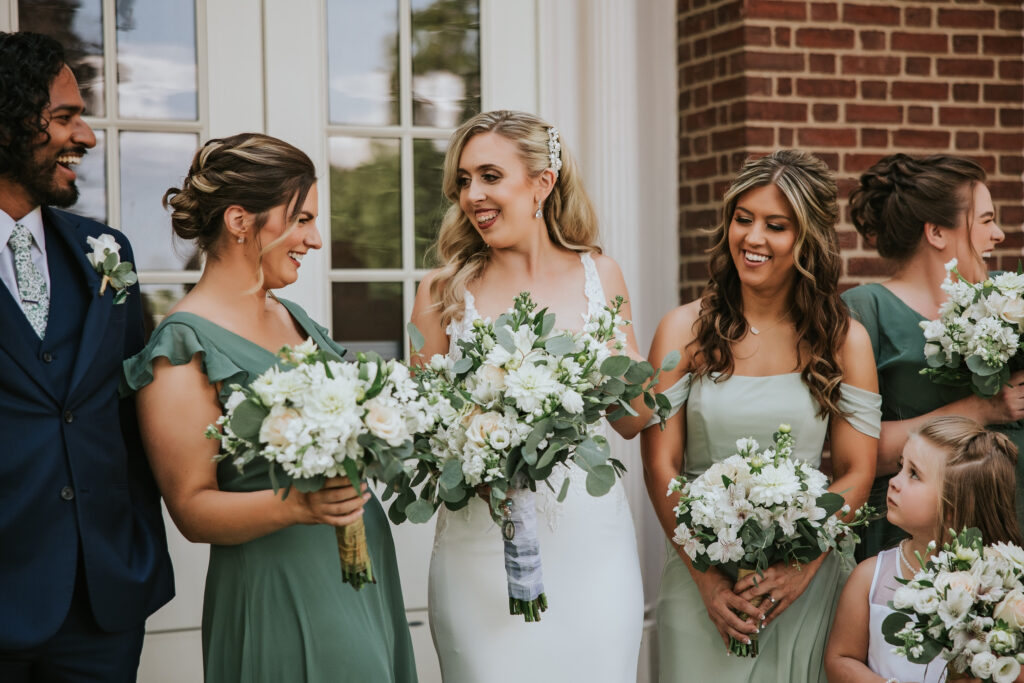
(462, 365)
(600, 480)
(539, 433)
(247, 419)
(978, 366)
(593, 452)
(564, 490)
(419, 512)
(351, 471)
(639, 372)
(120, 297)
(504, 336)
(131, 277)
(670, 361)
(454, 494)
(560, 345)
(614, 386)
(549, 454)
(110, 261)
(415, 337)
(451, 474)
(614, 366)
(309, 485)
(121, 269)
(548, 324)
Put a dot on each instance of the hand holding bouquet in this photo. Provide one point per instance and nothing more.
(976, 338)
(965, 605)
(316, 418)
(758, 508)
(522, 401)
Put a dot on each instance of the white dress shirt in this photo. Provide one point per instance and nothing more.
(33, 220)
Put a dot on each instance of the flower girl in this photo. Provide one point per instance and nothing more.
(954, 473)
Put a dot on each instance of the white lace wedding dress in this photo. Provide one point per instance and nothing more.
(592, 628)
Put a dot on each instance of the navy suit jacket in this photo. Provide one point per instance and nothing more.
(75, 487)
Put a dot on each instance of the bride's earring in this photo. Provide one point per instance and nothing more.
(540, 210)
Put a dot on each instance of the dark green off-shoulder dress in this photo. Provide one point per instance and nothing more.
(275, 608)
(898, 343)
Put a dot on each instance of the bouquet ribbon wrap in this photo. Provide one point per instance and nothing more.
(522, 556)
(738, 648)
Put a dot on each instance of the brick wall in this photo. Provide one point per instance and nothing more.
(852, 82)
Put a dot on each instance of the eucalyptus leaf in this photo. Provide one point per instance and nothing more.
(309, 485)
(548, 324)
(593, 452)
(451, 474)
(419, 512)
(639, 372)
(415, 337)
(978, 366)
(462, 365)
(247, 419)
(564, 490)
(670, 361)
(504, 336)
(560, 345)
(600, 480)
(614, 366)
(110, 261)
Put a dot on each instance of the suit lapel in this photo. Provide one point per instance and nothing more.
(99, 306)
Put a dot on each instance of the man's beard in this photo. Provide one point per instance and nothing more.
(38, 177)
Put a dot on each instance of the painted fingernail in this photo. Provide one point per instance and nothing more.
(747, 641)
(762, 617)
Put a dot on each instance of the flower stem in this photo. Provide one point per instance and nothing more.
(356, 569)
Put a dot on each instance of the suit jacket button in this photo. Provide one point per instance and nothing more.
(67, 493)
(69, 416)
(47, 357)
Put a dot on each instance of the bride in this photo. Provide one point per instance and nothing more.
(520, 220)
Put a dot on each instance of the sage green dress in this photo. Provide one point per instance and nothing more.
(275, 608)
(791, 648)
(898, 343)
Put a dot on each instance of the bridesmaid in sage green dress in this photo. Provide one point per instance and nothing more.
(275, 607)
(769, 342)
(920, 213)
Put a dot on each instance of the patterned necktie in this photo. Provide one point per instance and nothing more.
(35, 300)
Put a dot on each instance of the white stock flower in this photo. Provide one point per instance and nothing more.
(573, 402)
(486, 384)
(234, 400)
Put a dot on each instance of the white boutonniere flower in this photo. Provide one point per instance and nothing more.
(106, 259)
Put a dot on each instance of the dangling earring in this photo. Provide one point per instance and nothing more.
(240, 239)
(540, 210)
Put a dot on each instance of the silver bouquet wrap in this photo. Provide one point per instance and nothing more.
(522, 556)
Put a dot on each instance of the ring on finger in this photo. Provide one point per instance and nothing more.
(771, 599)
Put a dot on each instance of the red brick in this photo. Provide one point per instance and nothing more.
(700, 120)
(1011, 70)
(824, 11)
(827, 137)
(874, 137)
(1011, 19)
(965, 67)
(919, 66)
(701, 71)
(700, 96)
(966, 116)
(705, 168)
(965, 44)
(920, 115)
(698, 270)
(760, 137)
(831, 159)
(1011, 215)
(700, 146)
(996, 92)
(698, 23)
(758, 86)
(771, 61)
(728, 139)
(700, 48)
(727, 40)
(966, 92)
(967, 18)
(920, 42)
(1007, 141)
(825, 113)
(822, 64)
(785, 137)
(880, 66)
(931, 139)
(729, 89)
(757, 36)
(824, 38)
(871, 14)
(917, 16)
(729, 12)
(1011, 164)
(1011, 117)
(872, 40)
(868, 266)
(826, 87)
(784, 86)
(848, 238)
(700, 217)
(722, 66)
(874, 90)
(776, 9)
(783, 36)
(777, 111)
(1003, 45)
(919, 90)
(873, 113)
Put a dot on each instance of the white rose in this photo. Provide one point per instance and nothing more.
(385, 422)
(926, 601)
(482, 425)
(274, 429)
(966, 581)
(983, 665)
(1001, 641)
(1011, 609)
(100, 246)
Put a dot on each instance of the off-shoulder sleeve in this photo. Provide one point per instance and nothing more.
(178, 343)
(863, 409)
(676, 395)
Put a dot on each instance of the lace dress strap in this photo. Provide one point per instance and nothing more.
(459, 328)
(592, 284)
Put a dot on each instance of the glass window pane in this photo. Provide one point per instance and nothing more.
(367, 316)
(78, 26)
(430, 204)
(92, 181)
(157, 300)
(445, 61)
(156, 59)
(366, 207)
(362, 62)
(151, 163)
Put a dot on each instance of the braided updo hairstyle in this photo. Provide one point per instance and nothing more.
(900, 193)
(251, 170)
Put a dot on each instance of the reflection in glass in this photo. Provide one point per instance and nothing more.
(445, 61)
(430, 204)
(78, 26)
(362, 61)
(367, 316)
(151, 163)
(366, 207)
(157, 300)
(92, 181)
(156, 59)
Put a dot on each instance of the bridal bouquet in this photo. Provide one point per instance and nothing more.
(758, 508)
(965, 605)
(316, 418)
(975, 341)
(522, 401)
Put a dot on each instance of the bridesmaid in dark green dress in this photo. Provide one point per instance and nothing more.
(275, 607)
(921, 213)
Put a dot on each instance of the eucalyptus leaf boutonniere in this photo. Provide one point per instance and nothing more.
(106, 259)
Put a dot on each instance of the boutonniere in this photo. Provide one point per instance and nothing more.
(106, 259)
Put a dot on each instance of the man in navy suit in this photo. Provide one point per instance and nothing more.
(83, 556)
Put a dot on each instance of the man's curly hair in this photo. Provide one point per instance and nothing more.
(28, 64)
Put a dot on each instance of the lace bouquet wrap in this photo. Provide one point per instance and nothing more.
(522, 401)
(966, 605)
(976, 339)
(757, 508)
(312, 418)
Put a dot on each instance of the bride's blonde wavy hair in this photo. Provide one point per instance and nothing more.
(460, 251)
